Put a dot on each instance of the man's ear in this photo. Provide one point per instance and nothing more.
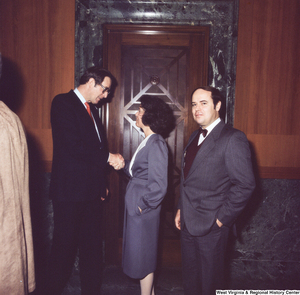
(218, 106)
(91, 82)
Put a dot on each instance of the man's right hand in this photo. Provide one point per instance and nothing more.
(116, 160)
(177, 220)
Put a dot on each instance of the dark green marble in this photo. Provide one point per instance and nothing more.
(220, 16)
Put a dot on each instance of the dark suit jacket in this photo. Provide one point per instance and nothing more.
(219, 183)
(79, 159)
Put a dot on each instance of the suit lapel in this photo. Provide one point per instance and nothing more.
(95, 113)
(143, 151)
(206, 146)
(190, 140)
(194, 134)
(97, 120)
(82, 110)
(86, 119)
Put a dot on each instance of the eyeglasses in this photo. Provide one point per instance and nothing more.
(105, 89)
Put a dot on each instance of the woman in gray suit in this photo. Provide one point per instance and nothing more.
(145, 191)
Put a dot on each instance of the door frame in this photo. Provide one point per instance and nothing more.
(114, 37)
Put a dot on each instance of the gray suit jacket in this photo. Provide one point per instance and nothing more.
(146, 189)
(219, 183)
(148, 185)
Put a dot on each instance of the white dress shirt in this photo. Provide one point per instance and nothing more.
(83, 102)
(209, 129)
(142, 144)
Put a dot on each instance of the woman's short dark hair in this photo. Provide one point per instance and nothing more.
(158, 115)
(97, 73)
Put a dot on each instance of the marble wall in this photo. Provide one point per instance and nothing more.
(266, 254)
(220, 16)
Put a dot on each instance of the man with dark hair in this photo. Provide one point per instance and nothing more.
(216, 182)
(78, 185)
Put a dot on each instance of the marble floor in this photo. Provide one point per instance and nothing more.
(115, 282)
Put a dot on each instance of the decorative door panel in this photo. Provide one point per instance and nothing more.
(164, 61)
(162, 72)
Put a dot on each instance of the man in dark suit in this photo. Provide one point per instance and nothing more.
(216, 182)
(78, 185)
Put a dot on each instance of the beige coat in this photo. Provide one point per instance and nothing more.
(16, 247)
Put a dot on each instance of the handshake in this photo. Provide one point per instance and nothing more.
(116, 160)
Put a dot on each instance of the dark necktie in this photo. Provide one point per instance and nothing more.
(203, 131)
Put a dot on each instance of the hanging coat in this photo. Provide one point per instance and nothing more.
(16, 246)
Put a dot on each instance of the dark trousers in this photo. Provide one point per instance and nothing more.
(77, 226)
(203, 261)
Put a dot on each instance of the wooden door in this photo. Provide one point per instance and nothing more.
(166, 61)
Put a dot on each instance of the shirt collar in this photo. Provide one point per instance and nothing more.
(212, 125)
(82, 99)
